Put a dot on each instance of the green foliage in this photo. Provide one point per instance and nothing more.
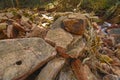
(96, 5)
(62, 5)
(23, 3)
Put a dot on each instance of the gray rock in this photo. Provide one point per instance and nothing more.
(115, 32)
(76, 47)
(50, 71)
(21, 57)
(66, 74)
(58, 22)
(60, 37)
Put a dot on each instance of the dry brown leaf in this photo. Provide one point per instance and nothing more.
(18, 27)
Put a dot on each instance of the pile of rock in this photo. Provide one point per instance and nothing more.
(63, 54)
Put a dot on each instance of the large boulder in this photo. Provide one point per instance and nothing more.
(21, 57)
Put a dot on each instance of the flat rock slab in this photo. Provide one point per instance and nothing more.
(21, 57)
(60, 37)
(50, 71)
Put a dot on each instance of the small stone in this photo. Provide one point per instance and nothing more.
(50, 71)
(58, 22)
(37, 32)
(60, 37)
(75, 24)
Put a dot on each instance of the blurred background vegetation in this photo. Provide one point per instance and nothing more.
(64, 5)
(100, 7)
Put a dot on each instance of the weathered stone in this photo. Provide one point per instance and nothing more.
(110, 77)
(60, 37)
(58, 22)
(67, 74)
(115, 32)
(75, 23)
(76, 47)
(21, 57)
(51, 69)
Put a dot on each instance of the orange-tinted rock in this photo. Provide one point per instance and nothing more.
(75, 24)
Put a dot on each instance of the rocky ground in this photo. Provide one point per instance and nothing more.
(36, 45)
